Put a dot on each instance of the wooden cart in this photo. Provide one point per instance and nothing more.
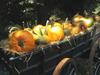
(61, 58)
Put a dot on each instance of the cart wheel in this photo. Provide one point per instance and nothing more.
(95, 57)
(4, 70)
(64, 67)
(97, 69)
(97, 52)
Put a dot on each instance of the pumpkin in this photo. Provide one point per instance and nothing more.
(67, 27)
(40, 34)
(57, 24)
(97, 18)
(37, 29)
(77, 18)
(88, 22)
(75, 30)
(13, 29)
(55, 33)
(28, 29)
(21, 41)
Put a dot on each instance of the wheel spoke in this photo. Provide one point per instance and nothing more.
(68, 69)
(97, 69)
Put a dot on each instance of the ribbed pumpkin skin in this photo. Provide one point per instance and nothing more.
(55, 33)
(75, 30)
(21, 37)
(40, 34)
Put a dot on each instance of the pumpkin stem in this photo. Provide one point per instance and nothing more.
(47, 22)
(21, 43)
(35, 22)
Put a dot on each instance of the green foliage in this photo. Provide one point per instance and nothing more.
(97, 9)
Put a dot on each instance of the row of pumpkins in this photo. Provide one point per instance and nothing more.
(25, 40)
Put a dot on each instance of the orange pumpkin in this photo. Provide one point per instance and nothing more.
(75, 30)
(55, 33)
(77, 18)
(67, 25)
(21, 41)
(67, 28)
(57, 24)
(97, 18)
